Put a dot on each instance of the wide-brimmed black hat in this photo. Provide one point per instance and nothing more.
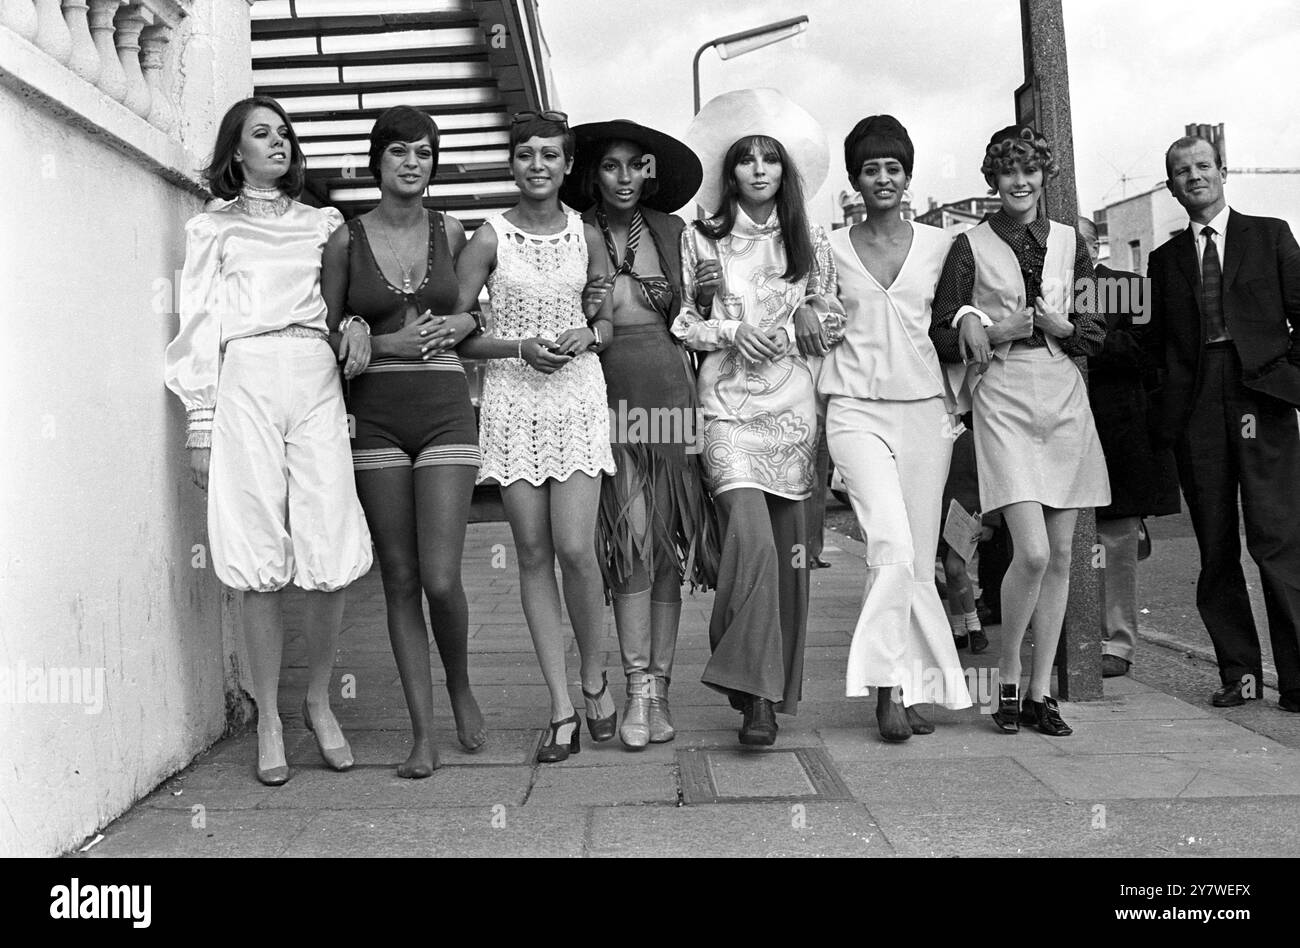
(676, 168)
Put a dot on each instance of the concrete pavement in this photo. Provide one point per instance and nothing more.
(1146, 773)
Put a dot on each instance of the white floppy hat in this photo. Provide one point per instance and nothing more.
(726, 119)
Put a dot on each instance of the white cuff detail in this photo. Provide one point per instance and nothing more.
(984, 320)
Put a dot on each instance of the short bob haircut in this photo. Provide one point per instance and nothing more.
(401, 123)
(224, 174)
(878, 136)
(539, 127)
(589, 173)
(1187, 141)
(1017, 145)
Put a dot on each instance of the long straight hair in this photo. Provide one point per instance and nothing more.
(224, 175)
(790, 210)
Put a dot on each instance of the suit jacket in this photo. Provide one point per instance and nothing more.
(1261, 307)
(1143, 476)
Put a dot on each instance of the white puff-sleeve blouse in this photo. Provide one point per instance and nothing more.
(244, 275)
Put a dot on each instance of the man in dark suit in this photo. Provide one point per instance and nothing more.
(1225, 329)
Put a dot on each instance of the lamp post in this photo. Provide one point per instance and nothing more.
(737, 44)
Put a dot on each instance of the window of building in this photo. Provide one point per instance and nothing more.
(1135, 255)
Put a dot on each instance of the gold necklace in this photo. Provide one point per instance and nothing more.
(407, 272)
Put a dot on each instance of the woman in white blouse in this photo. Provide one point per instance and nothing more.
(268, 435)
(890, 434)
(755, 274)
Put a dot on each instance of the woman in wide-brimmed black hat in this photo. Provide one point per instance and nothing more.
(656, 523)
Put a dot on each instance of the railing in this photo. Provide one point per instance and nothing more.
(117, 45)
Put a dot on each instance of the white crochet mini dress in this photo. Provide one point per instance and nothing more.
(534, 426)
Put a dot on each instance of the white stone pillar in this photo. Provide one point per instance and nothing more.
(19, 16)
(153, 42)
(129, 22)
(84, 60)
(52, 34)
(111, 79)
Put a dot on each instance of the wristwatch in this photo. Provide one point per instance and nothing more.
(480, 326)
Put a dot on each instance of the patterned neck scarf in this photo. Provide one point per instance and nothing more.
(656, 290)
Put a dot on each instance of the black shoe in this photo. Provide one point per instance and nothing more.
(1229, 696)
(759, 726)
(818, 563)
(1112, 666)
(1007, 716)
(1047, 716)
(1028, 712)
(960, 641)
(553, 750)
(601, 728)
(891, 719)
(979, 642)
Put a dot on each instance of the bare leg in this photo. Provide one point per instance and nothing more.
(388, 497)
(574, 505)
(1022, 584)
(528, 509)
(443, 494)
(1049, 613)
(264, 635)
(324, 621)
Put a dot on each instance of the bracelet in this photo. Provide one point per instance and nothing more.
(479, 325)
(595, 331)
(521, 350)
(354, 319)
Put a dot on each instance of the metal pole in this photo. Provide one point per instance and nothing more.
(1043, 29)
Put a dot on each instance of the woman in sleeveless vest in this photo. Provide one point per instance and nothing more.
(657, 523)
(414, 442)
(544, 423)
(890, 433)
(267, 434)
(758, 277)
(1012, 303)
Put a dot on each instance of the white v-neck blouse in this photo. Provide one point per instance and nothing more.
(886, 352)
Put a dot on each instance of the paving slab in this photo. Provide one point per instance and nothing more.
(566, 785)
(985, 781)
(374, 787)
(495, 831)
(149, 831)
(737, 830)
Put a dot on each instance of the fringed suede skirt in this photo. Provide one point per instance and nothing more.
(655, 511)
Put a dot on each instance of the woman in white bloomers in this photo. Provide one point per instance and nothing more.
(888, 428)
(267, 433)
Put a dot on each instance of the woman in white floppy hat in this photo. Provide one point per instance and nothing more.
(759, 299)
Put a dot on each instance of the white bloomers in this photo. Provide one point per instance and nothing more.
(282, 503)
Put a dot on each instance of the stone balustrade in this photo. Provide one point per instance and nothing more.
(119, 46)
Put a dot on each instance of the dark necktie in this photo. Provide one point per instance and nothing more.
(1212, 289)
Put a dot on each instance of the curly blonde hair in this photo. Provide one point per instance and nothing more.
(1017, 144)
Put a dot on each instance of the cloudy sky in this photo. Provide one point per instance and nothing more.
(1139, 69)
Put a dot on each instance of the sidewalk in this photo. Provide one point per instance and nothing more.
(1145, 774)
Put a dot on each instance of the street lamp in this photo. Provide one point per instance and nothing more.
(737, 44)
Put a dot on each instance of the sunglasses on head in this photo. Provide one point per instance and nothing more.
(549, 115)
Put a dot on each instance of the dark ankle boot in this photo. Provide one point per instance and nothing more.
(759, 726)
(918, 724)
(1007, 716)
(891, 718)
(1047, 715)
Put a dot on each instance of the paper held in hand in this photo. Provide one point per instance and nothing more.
(961, 530)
